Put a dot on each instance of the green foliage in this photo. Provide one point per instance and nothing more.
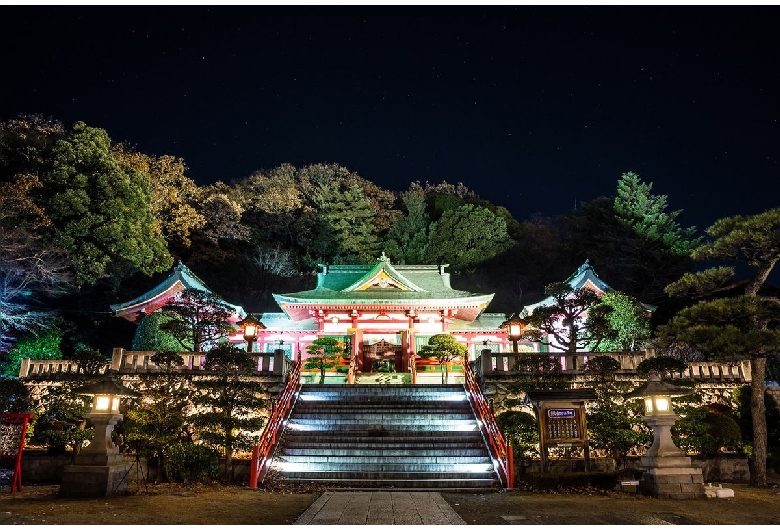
(345, 228)
(90, 361)
(158, 421)
(629, 320)
(662, 365)
(706, 433)
(741, 327)
(100, 211)
(467, 236)
(323, 354)
(149, 336)
(14, 396)
(197, 319)
(445, 348)
(744, 418)
(576, 319)
(537, 371)
(725, 328)
(522, 431)
(61, 424)
(615, 424)
(646, 215)
(44, 346)
(601, 368)
(229, 402)
(633, 240)
(192, 463)
(407, 240)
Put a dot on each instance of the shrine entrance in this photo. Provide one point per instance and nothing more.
(380, 357)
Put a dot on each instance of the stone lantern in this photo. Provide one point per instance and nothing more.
(251, 327)
(514, 327)
(668, 470)
(99, 468)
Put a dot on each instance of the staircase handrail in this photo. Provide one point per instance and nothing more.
(263, 450)
(413, 368)
(499, 448)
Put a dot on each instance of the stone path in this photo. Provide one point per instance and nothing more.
(380, 508)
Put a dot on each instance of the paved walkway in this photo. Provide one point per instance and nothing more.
(380, 508)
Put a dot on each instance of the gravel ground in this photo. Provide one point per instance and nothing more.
(220, 505)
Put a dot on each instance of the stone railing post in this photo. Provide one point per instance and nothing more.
(24, 368)
(487, 362)
(279, 364)
(116, 358)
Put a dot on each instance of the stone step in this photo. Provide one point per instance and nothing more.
(371, 420)
(462, 470)
(386, 437)
(383, 458)
(410, 452)
(420, 484)
(361, 429)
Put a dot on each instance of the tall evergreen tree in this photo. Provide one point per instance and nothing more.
(345, 229)
(466, 236)
(99, 211)
(407, 240)
(229, 402)
(633, 239)
(735, 319)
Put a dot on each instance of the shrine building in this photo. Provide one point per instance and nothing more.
(380, 311)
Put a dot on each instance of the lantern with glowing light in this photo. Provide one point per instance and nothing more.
(251, 327)
(514, 327)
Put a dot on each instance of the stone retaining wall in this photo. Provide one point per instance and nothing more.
(40, 468)
(47, 469)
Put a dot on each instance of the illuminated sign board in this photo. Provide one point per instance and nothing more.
(560, 413)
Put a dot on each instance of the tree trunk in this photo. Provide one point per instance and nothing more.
(229, 465)
(758, 414)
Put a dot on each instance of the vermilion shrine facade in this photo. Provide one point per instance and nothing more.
(379, 311)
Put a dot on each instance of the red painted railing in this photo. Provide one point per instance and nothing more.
(500, 449)
(262, 453)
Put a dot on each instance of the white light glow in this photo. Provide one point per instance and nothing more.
(311, 397)
(473, 468)
(102, 403)
(662, 404)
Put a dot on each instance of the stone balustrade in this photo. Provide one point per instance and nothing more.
(487, 364)
(127, 362)
(490, 364)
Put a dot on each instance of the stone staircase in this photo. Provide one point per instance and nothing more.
(380, 437)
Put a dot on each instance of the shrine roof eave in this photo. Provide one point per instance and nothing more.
(468, 307)
(181, 278)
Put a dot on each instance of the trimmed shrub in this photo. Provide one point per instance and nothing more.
(706, 433)
(190, 463)
(149, 336)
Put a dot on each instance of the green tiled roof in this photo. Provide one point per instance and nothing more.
(181, 274)
(583, 275)
(349, 284)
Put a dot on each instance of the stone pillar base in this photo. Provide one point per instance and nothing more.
(93, 481)
(671, 478)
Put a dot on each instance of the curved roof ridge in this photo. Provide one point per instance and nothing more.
(383, 265)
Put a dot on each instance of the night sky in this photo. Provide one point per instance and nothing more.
(534, 108)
